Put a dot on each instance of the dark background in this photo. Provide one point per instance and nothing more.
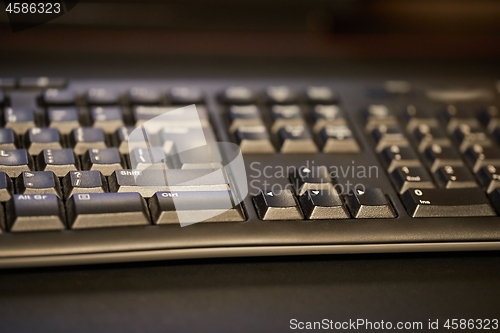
(341, 39)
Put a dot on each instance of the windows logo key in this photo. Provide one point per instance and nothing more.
(176, 160)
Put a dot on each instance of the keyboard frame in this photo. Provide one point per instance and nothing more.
(255, 237)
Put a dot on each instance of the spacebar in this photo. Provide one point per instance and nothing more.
(440, 202)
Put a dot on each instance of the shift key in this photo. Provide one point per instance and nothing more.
(440, 202)
(148, 182)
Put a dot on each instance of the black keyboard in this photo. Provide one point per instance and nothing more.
(89, 175)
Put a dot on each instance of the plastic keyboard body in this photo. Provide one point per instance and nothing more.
(414, 169)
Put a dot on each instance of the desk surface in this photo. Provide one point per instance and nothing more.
(250, 295)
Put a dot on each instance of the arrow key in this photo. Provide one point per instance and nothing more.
(323, 204)
(370, 203)
(314, 178)
(281, 205)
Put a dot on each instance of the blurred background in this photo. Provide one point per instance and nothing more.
(270, 28)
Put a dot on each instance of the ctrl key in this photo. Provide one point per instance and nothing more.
(35, 212)
(187, 207)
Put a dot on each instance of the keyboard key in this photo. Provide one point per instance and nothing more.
(35, 212)
(489, 177)
(36, 139)
(237, 95)
(58, 97)
(314, 178)
(182, 117)
(141, 114)
(194, 206)
(13, 162)
(427, 135)
(184, 138)
(440, 202)
(84, 138)
(495, 199)
(338, 139)
(369, 203)
(8, 139)
(455, 177)
(20, 120)
(438, 156)
(243, 115)
(392, 88)
(323, 204)
(296, 139)
(405, 177)
(324, 115)
(109, 118)
(121, 139)
(2, 217)
(203, 157)
(101, 96)
(376, 115)
(453, 117)
(105, 160)
(151, 158)
(396, 156)
(490, 118)
(280, 95)
(479, 156)
(63, 119)
(254, 140)
(415, 117)
(5, 187)
(467, 136)
(283, 115)
(38, 182)
(148, 182)
(58, 161)
(99, 210)
(496, 134)
(144, 96)
(388, 136)
(185, 96)
(7, 82)
(459, 94)
(42, 82)
(277, 206)
(91, 181)
(320, 95)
